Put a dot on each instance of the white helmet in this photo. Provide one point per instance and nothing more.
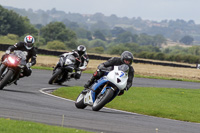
(29, 41)
(81, 49)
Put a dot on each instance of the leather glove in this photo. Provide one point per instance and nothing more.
(7, 51)
(28, 65)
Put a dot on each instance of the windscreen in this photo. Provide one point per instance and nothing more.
(124, 68)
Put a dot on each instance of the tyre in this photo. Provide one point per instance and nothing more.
(55, 76)
(5, 79)
(80, 102)
(2, 68)
(102, 99)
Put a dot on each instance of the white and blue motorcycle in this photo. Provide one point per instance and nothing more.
(105, 89)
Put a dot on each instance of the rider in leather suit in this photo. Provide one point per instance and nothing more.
(26, 46)
(81, 65)
(126, 58)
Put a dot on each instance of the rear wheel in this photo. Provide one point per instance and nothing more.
(6, 79)
(55, 76)
(80, 102)
(102, 99)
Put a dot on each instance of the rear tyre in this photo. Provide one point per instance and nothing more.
(55, 76)
(102, 99)
(80, 102)
(6, 79)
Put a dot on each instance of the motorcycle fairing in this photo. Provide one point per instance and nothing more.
(100, 82)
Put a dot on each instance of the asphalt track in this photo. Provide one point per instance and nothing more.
(27, 102)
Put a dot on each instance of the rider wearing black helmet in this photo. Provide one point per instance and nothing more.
(126, 58)
(84, 59)
(81, 55)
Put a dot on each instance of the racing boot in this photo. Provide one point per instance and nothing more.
(15, 82)
(88, 85)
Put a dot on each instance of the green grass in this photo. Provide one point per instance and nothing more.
(138, 76)
(166, 78)
(13, 126)
(50, 68)
(173, 103)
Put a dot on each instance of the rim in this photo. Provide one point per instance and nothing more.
(80, 97)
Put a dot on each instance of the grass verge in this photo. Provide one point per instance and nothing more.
(13, 126)
(166, 78)
(173, 103)
(138, 76)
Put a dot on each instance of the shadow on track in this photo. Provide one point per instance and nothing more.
(18, 91)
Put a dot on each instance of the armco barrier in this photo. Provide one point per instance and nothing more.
(4, 47)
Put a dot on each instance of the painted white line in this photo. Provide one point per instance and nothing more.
(43, 90)
(53, 88)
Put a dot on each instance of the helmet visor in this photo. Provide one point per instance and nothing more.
(29, 45)
(128, 61)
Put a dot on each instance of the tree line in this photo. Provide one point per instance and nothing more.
(57, 36)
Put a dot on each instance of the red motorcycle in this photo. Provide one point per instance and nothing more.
(11, 67)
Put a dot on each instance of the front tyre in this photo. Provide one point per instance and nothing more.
(2, 68)
(6, 79)
(102, 99)
(55, 76)
(79, 103)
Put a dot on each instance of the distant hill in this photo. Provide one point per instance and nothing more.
(171, 29)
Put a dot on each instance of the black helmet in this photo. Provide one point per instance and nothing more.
(29, 41)
(81, 49)
(126, 55)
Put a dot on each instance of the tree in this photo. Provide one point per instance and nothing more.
(11, 22)
(125, 37)
(100, 25)
(98, 43)
(187, 40)
(99, 35)
(57, 31)
(82, 33)
(56, 45)
(158, 40)
(117, 30)
(117, 50)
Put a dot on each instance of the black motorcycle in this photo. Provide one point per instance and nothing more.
(11, 67)
(65, 69)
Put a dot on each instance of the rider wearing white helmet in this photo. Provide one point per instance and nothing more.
(27, 47)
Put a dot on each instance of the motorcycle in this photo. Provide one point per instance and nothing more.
(105, 89)
(11, 67)
(65, 70)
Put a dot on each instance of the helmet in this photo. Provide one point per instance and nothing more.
(29, 41)
(81, 49)
(126, 55)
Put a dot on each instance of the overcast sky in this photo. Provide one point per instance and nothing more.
(146, 9)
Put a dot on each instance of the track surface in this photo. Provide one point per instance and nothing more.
(26, 102)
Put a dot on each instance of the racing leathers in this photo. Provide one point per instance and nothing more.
(114, 61)
(80, 63)
(30, 54)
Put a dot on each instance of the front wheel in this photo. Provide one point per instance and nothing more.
(102, 99)
(6, 79)
(2, 68)
(55, 76)
(80, 102)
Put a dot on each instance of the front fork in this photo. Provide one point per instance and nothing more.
(14, 76)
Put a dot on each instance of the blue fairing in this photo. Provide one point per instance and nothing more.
(101, 81)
